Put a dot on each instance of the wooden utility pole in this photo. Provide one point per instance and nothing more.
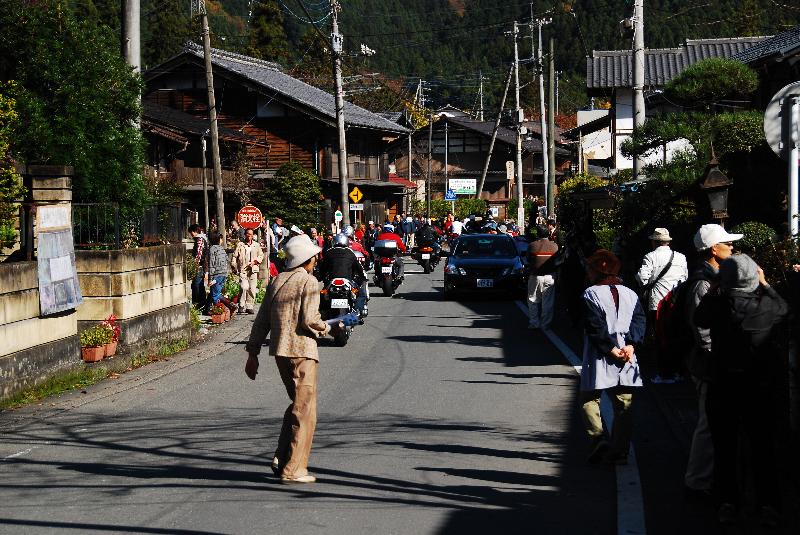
(205, 183)
(199, 7)
(638, 77)
(494, 131)
(480, 112)
(542, 110)
(337, 47)
(551, 137)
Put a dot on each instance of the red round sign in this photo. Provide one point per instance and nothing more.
(249, 217)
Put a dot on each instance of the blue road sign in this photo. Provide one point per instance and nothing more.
(450, 195)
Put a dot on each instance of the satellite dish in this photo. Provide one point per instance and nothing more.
(778, 120)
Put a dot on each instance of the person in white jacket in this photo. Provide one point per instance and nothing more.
(662, 270)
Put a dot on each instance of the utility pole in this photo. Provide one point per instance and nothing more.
(558, 108)
(337, 46)
(480, 112)
(551, 137)
(638, 76)
(542, 114)
(205, 183)
(430, 156)
(199, 7)
(131, 38)
(518, 116)
(494, 131)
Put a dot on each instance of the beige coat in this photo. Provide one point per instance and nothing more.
(291, 313)
(239, 258)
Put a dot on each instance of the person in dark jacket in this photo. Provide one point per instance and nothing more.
(341, 262)
(743, 312)
(217, 273)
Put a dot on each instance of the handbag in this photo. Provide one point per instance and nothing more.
(647, 289)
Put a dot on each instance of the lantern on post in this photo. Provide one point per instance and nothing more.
(716, 185)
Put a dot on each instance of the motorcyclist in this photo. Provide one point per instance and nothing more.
(389, 234)
(427, 236)
(341, 262)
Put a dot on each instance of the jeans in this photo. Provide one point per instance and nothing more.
(216, 289)
(199, 289)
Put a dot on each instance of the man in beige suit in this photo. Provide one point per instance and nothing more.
(291, 313)
(245, 261)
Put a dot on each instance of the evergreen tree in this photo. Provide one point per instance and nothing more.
(166, 29)
(267, 33)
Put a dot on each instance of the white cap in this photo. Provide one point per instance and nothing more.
(711, 234)
(299, 250)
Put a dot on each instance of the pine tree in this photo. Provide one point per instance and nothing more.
(165, 30)
(267, 33)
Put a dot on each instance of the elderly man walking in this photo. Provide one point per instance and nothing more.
(291, 313)
(714, 244)
(662, 270)
(245, 261)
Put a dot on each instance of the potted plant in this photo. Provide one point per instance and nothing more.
(93, 341)
(227, 313)
(218, 313)
(110, 324)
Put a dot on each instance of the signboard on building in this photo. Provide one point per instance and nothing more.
(463, 186)
(509, 170)
(59, 289)
(249, 217)
(337, 216)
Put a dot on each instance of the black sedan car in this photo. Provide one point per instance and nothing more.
(483, 263)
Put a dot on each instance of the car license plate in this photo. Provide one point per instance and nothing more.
(386, 269)
(339, 303)
(485, 283)
(426, 256)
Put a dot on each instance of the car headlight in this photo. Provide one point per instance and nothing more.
(450, 269)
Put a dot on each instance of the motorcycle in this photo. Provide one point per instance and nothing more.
(387, 270)
(427, 257)
(338, 298)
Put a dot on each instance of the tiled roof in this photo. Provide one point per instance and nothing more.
(269, 76)
(607, 69)
(504, 135)
(778, 47)
(183, 123)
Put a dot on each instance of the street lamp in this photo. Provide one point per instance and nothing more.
(716, 184)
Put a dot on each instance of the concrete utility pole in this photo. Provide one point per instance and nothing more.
(794, 161)
(131, 34)
(480, 112)
(494, 131)
(638, 76)
(212, 117)
(551, 137)
(518, 117)
(337, 46)
(430, 157)
(542, 113)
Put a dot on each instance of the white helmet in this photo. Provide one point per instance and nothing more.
(388, 227)
(341, 240)
(348, 231)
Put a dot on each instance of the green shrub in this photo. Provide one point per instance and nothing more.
(194, 317)
(191, 267)
(96, 336)
(465, 206)
(756, 235)
(262, 291)
(231, 288)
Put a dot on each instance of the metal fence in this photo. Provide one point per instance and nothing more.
(101, 226)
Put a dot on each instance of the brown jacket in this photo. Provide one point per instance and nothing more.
(239, 258)
(291, 313)
(539, 252)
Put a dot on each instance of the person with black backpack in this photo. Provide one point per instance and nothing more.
(714, 245)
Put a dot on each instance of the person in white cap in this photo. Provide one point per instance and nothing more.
(662, 270)
(290, 312)
(714, 244)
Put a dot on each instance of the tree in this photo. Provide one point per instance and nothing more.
(77, 100)
(165, 30)
(10, 184)
(267, 34)
(293, 194)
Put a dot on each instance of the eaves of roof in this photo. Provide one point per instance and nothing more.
(170, 123)
(777, 47)
(269, 78)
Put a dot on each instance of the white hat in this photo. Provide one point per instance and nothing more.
(711, 234)
(370, 222)
(660, 234)
(298, 250)
(296, 229)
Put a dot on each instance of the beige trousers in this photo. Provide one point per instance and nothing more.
(249, 284)
(299, 376)
(541, 300)
(621, 398)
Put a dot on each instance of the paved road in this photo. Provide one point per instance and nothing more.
(438, 417)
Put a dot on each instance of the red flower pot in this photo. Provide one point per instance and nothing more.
(110, 349)
(218, 318)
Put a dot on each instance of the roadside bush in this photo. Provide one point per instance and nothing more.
(465, 206)
(756, 236)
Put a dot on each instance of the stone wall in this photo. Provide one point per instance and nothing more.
(144, 288)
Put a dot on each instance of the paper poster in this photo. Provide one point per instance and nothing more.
(59, 289)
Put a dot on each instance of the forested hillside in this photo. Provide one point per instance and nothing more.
(447, 43)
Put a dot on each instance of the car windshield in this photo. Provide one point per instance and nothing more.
(486, 246)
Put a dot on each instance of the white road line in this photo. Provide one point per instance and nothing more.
(19, 453)
(630, 506)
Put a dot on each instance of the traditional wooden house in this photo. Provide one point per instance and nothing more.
(272, 118)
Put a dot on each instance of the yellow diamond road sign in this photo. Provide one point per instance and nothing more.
(356, 195)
